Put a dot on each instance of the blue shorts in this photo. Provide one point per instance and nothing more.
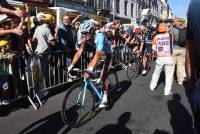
(147, 48)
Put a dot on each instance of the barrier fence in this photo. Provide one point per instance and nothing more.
(27, 76)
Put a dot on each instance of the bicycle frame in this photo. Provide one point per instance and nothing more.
(88, 82)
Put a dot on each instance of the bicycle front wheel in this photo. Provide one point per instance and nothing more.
(77, 110)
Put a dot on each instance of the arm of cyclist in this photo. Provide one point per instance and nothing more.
(95, 60)
(141, 46)
(76, 57)
(99, 50)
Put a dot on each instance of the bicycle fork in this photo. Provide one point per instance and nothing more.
(82, 93)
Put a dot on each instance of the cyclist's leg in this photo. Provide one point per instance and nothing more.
(103, 76)
(105, 71)
(144, 63)
(144, 59)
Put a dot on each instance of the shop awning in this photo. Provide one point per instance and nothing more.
(34, 2)
(75, 13)
(16, 3)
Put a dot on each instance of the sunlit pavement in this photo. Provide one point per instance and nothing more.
(136, 110)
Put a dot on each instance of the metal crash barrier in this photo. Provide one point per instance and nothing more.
(40, 72)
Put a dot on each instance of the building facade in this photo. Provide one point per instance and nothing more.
(87, 6)
(127, 11)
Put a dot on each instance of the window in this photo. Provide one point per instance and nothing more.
(125, 7)
(90, 3)
(132, 9)
(117, 6)
(136, 7)
(108, 5)
(100, 3)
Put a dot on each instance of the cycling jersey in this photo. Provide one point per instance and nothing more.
(147, 45)
(102, 44)
(148, 38)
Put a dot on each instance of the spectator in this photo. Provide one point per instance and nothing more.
(193, 58)
(164, 58)
(179, 52)
(44, 39)
(67, 39)
(43, 34)
(6, 30)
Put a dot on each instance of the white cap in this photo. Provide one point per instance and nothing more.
(40, 16)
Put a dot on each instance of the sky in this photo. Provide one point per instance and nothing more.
(179, 7)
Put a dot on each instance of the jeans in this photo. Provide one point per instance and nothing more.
(168, 64)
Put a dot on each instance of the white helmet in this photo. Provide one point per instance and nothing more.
(86, 26)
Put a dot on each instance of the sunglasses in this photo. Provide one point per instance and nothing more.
(84, 33)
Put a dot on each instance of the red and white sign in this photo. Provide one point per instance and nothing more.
(40, 2)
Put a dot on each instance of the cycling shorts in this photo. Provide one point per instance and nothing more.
(107, 61)
(147, 48)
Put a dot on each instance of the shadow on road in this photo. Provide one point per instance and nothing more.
(23, 102)
(119, 128)
(115, 95)
(157, 131)
(117, 92)
(181, 120)
(50, 124)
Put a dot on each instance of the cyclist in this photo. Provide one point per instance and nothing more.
(103, 51)
(147, 49)
(138, 41)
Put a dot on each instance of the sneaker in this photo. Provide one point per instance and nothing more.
(152, 89)
(180, 82)
(5, 102)
(166, 94)
(104, 101)
(144, 72)
(69, 79)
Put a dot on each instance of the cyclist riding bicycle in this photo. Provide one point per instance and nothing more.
(103, 52)
(147, 49)
(138, 41)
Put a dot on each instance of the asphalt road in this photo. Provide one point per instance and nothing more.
(136, 110)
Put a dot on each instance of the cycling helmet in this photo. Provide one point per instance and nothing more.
(86, 26)
(162, 28)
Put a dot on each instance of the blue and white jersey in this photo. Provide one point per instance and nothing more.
(102, 43)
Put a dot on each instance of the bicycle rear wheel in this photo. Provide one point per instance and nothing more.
(112, 79)
(133, 69)
(75, 112)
